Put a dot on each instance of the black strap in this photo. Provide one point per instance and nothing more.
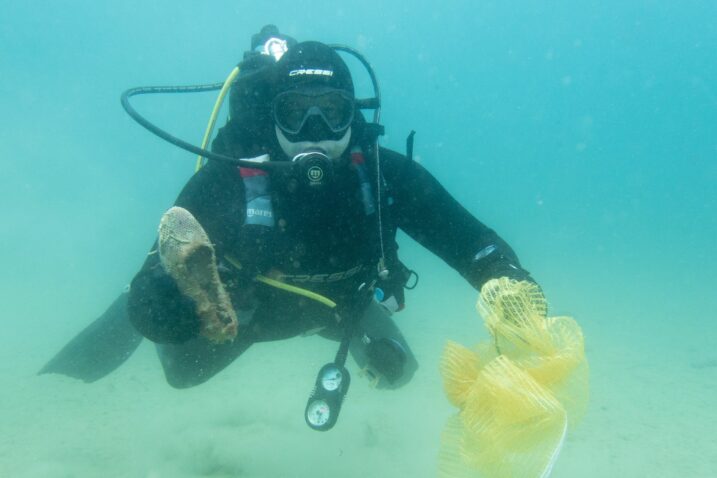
(409, 145)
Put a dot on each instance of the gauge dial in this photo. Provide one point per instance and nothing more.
(318, 413)
(331, 379)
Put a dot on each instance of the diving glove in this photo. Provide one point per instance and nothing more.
(188, 257)
(493, 262)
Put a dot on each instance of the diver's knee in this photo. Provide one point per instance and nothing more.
(180, 381)
(409, 371)
(391, 364)
(181, 377)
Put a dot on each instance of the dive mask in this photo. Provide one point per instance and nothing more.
(292, 109)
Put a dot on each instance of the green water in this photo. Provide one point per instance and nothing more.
(584, 132)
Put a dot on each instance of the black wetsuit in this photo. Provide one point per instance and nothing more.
(325, 243)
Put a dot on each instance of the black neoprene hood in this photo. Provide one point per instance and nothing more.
(311, 64)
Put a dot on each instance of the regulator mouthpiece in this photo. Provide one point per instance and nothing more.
(315, 168)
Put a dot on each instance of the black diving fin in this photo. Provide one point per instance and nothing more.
(100, 348)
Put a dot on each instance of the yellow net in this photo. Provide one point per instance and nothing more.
(518, 394)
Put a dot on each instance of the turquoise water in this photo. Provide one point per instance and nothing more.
(583, 132)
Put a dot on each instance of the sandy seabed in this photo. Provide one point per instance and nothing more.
(651, 414)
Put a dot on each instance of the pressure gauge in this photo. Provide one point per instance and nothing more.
(331, 379)
(324, 404)
(318, 413)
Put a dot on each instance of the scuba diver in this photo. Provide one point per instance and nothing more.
(289, 228)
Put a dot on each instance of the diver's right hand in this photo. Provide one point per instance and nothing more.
(188, 257)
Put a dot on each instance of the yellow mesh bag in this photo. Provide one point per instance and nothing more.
(514, 313)
(516, 394)
(459, 369)
(451, 461)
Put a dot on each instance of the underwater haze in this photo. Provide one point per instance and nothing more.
(583, 132)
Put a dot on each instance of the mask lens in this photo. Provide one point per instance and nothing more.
(292, 109)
